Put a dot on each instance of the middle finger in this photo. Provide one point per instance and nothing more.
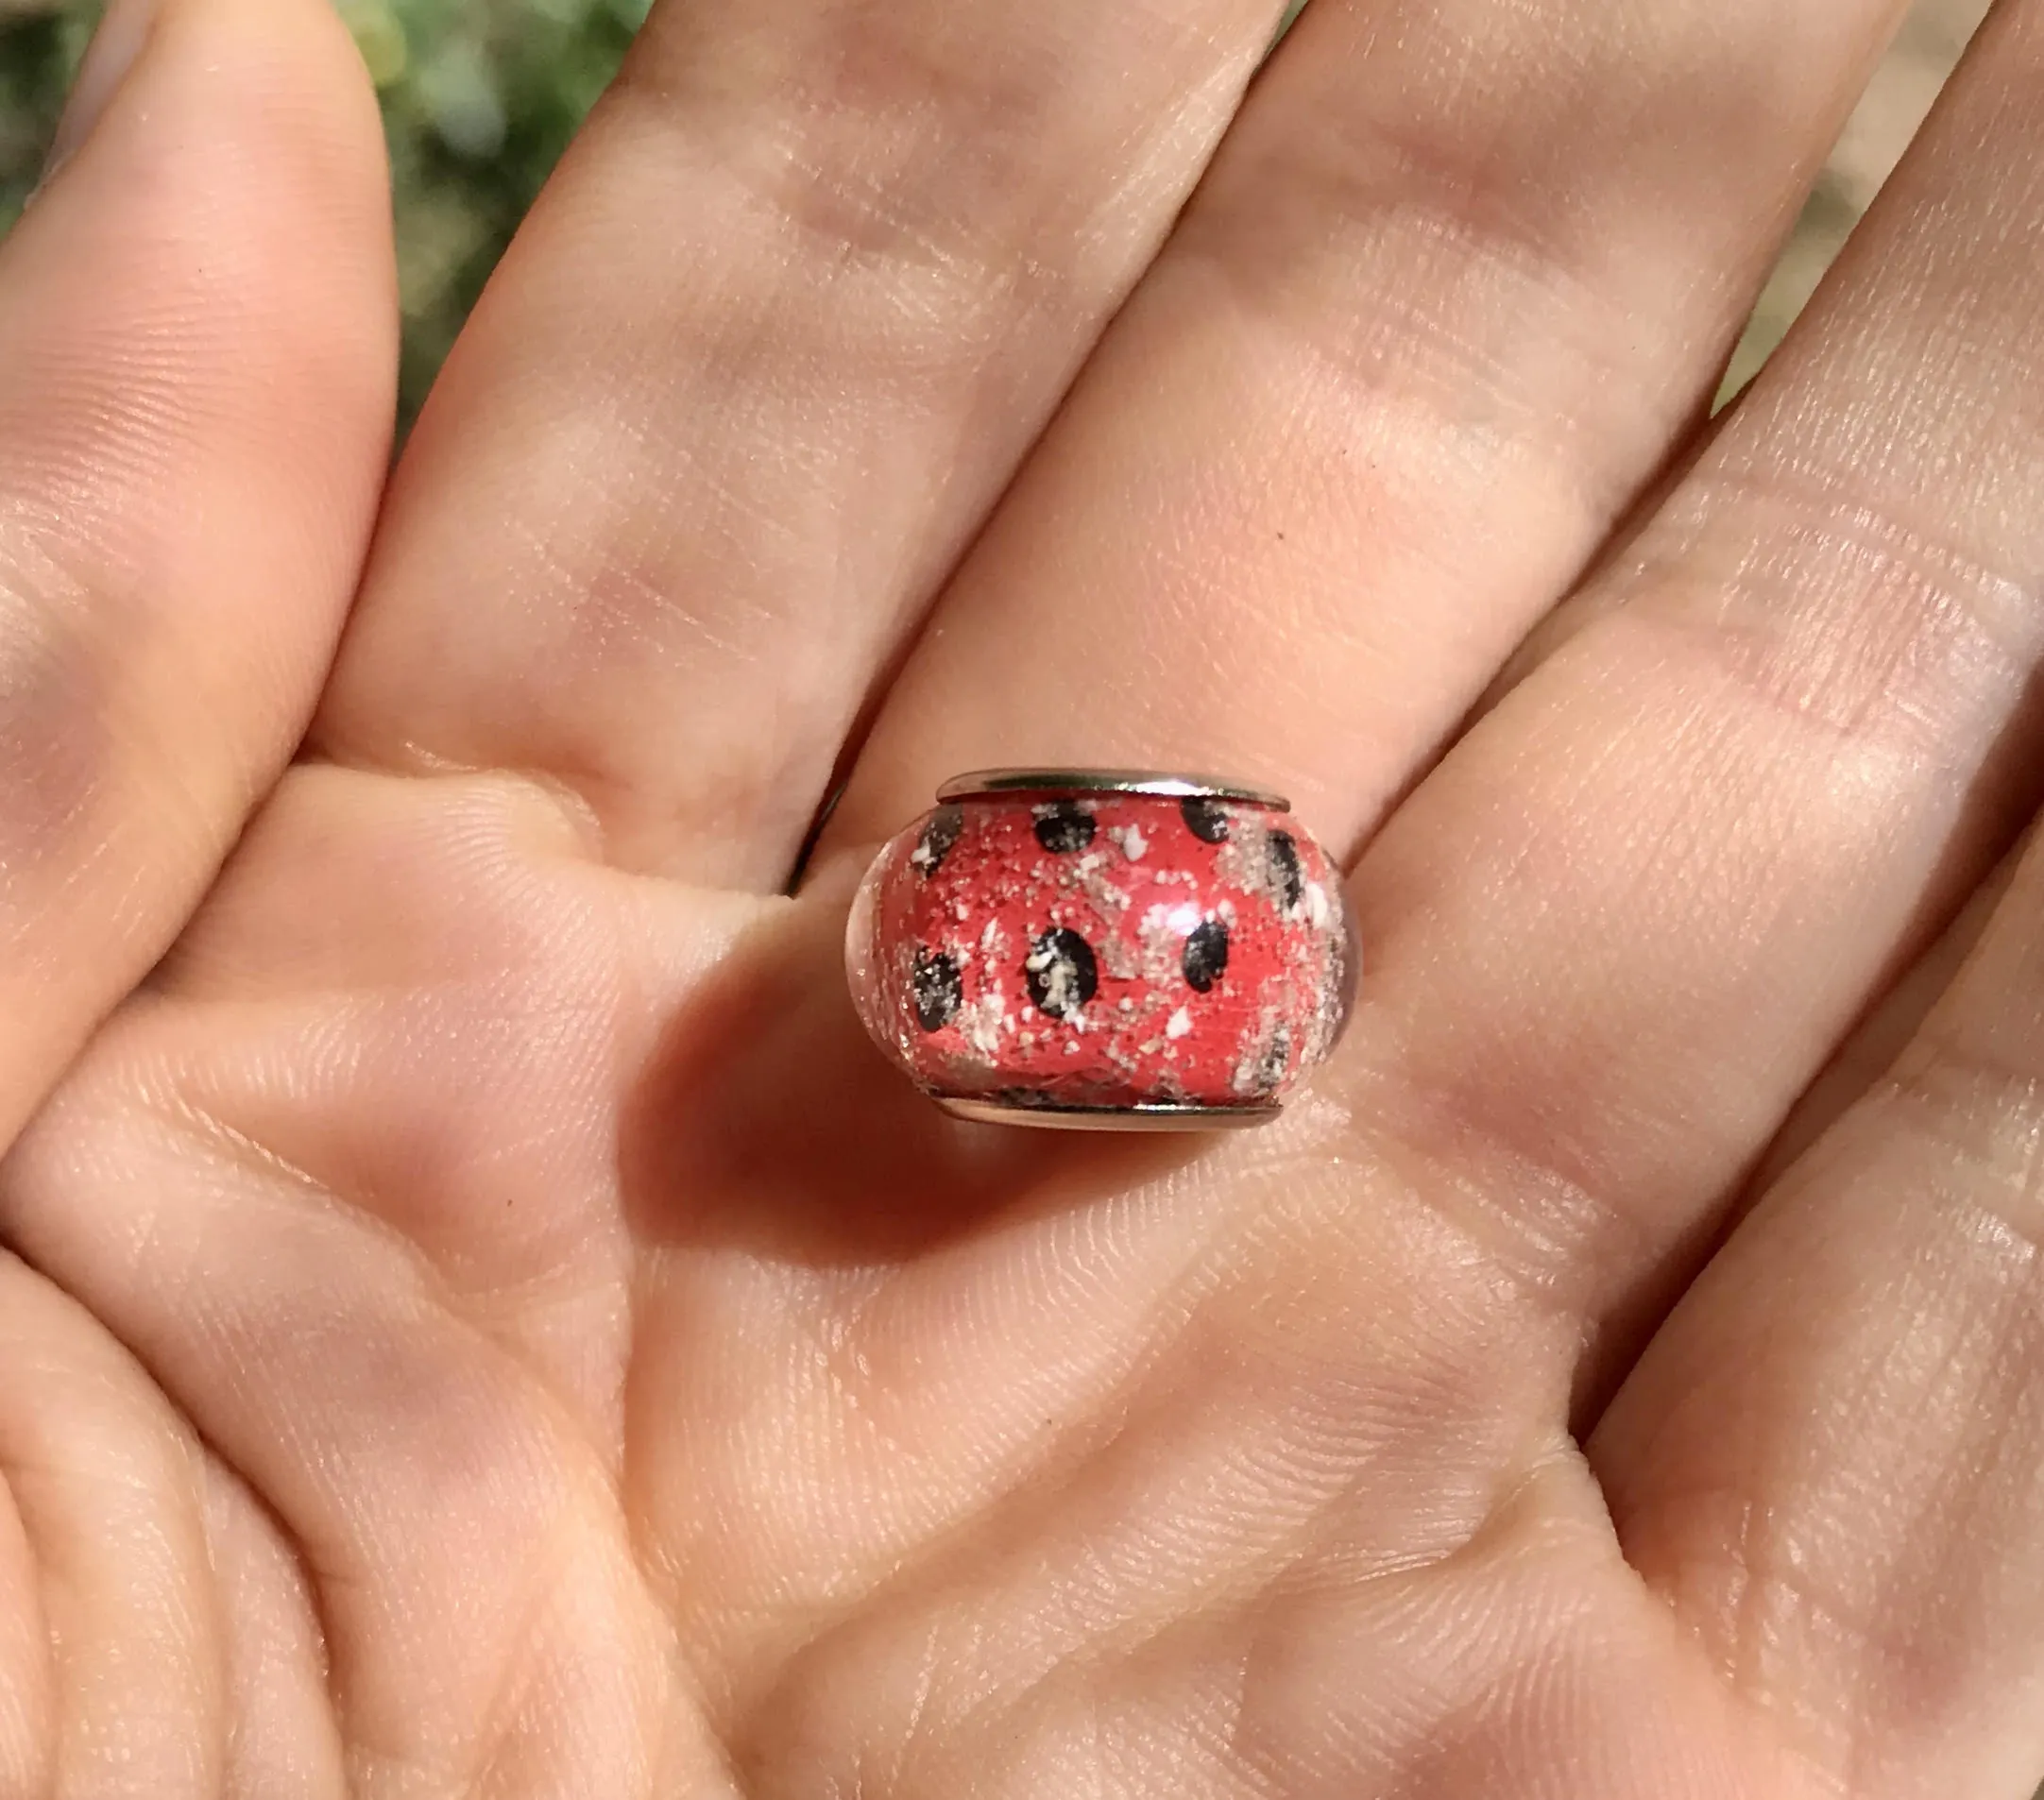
(769, 345)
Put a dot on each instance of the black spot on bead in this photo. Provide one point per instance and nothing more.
(940, 832)
(1207, 820)
(1276, 1058)
(1206, 956)
(939, 987)
(1065, 828)
(1284, 871)
(1061, 972)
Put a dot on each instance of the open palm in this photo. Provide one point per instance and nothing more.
(486, 1323)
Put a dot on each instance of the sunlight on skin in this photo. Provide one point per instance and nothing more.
(486, 1321)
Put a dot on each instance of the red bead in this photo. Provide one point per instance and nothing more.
(1076, 955)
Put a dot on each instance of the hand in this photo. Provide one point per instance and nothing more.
(487, 1324)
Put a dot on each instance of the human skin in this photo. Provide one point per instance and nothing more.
(479, 1319)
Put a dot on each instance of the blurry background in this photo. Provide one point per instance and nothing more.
(480, 95)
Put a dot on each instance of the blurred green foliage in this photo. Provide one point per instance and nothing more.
(38, 53)
(480, 97)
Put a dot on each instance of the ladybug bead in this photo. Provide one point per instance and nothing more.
(1103, 949)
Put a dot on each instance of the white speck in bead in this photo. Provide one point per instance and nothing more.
(1129, 841)
(983, 1022)
(1179, 1024)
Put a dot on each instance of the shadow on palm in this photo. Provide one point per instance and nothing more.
(767, 1120)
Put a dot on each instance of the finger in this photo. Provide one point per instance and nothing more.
(283, 1741)
(1869, 1051)
(1830, 1458)
(1633, 914)
(1457, 279)
(764, 354)
(430, 1415)
(195, 406)
(107, 1484)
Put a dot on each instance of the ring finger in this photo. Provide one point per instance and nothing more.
(1460, 276)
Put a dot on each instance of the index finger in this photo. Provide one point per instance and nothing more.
(195, 402)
